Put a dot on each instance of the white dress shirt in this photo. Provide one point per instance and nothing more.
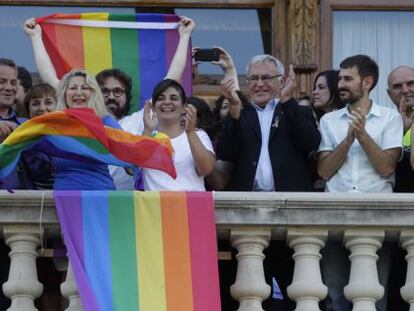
(357, 174)
(263, 180)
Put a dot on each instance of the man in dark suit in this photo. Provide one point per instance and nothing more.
(269, 142)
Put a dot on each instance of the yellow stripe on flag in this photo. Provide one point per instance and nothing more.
(24, 131)
(148, 230)
(97, 44)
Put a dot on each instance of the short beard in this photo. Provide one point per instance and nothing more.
(119, 112)
(353, 98)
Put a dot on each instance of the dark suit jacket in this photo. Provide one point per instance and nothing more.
(293, 135)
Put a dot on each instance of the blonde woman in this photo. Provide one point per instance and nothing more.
(79, 89)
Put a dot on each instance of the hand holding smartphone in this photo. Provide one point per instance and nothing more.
(207, 55)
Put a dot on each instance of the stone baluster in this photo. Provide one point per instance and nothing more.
(307, 288)
(250, 288)
(363, 288)
(407, 242)
(22, 287)
(70, 291)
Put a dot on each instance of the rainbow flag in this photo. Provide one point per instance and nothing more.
(79, 134)
(147, 251)
(142, 45)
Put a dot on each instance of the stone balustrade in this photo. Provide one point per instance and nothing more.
(306, 221)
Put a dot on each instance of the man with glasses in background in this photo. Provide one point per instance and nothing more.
(116, 87)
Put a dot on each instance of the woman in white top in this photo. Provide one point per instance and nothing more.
(193, 151)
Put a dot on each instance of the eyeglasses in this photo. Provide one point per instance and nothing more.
(118, 92)
(265, 79)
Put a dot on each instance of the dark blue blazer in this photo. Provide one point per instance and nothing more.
(293, 136)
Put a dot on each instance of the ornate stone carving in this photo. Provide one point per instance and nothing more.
(303, 16)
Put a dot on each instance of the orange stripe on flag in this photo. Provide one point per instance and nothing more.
(177, 261)
(69, 42)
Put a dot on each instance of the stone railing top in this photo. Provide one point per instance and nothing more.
(273, 209)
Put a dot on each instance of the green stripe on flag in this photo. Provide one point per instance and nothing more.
(8, 153)
(123, 250)
(125, 55)
(93, 144)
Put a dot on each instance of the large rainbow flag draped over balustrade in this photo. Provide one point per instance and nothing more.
(142, 45)
(146, 251)
(79, 134)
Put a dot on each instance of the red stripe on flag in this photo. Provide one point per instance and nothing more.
(49, 39)
(203, 246)
(171, 38)
(150, 153)
(64, 44)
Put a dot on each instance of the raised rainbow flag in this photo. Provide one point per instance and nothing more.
(142, 45)
(146, 251)
(79, 134)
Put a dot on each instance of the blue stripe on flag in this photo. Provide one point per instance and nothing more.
(96, 245)
(153, 55)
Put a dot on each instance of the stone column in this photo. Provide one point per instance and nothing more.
(70, 291)
(22, 287)
(407, 242)
(363, 288)
(250, 288)
(307, 288)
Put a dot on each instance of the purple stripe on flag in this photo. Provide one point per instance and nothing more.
(172, 38)
(69, 210)
(152, 51)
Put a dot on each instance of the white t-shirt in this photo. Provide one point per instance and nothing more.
(187, 177)
(133, 124)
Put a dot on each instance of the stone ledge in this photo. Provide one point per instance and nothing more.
(277, 210)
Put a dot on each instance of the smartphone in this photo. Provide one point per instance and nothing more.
(207, 55)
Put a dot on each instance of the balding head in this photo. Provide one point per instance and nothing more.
(401, 84)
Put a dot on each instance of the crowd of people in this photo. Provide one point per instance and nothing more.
(336, 140)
